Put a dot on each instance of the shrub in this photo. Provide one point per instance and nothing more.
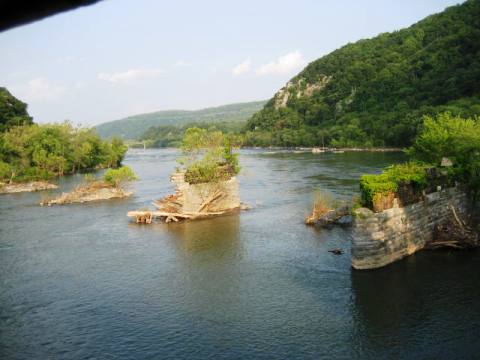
(374, 187)
(89, 177)
(208, 156)
(119, 177)
(453, 137)
(5, 171)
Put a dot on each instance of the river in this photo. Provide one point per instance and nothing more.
(82, 282)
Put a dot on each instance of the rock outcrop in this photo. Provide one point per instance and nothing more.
(299, 89)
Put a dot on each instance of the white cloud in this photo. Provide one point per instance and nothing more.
(129, 75)
(242, 68)
(39, 90)
(283, 65)
(182, 63)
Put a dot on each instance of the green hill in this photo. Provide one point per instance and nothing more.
(134, 126)
(375, 91)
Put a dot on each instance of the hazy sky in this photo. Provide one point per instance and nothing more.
(124, 57)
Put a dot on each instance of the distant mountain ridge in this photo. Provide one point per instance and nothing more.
(133, 127)
(374, 92)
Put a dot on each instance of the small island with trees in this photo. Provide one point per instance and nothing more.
(113, 185)
(32, 155)
(205, 180)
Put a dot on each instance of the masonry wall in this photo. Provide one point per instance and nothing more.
(379, 239)
(192, 196)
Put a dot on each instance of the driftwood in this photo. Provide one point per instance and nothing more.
(332, 216)
(336, 251)
(192, 201)
(211, 199)
(146, 217)
(455, 234)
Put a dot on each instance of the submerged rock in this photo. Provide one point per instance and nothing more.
(26, 187)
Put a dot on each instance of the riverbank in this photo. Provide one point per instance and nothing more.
(298, 149)
(30, 186)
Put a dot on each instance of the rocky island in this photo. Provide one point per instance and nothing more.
(11, 188)
(205, 186)
(113, 186)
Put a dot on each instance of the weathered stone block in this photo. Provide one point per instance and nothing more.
(379, 239)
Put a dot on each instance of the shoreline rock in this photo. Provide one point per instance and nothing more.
(87, 193)
(30, 186)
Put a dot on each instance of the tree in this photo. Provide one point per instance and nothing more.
(207, 156)
(13, 112)
(453, 137)
(119, 177)
(44, 151)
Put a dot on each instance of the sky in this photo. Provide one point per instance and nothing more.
(125, 57)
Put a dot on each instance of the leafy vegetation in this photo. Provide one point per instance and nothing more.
(374, 92)
(13, 112)
(411, 173)
(136, 126)
(33, 152)
(455, 138)
(171, 136)
(447, 145)
(119, 177)
(208, 156)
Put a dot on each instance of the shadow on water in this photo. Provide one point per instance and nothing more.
(429, 290)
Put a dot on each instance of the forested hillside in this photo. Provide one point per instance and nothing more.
(134, 127)
(374, 92)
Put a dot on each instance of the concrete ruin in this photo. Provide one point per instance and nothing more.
(381, 238)
(192, 201)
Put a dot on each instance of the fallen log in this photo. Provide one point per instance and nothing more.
(454, 234)
(332, 216)
(146, 217)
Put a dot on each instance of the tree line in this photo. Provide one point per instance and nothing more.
(31, 151)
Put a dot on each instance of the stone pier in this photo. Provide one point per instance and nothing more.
(379, 239)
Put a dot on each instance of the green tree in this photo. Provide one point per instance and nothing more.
(453, 137)
(119, 177)
(13, 112)
(207, 156)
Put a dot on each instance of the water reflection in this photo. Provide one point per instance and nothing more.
(393, 304)
(219, 235)
(258, 284)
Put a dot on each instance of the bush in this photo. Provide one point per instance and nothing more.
(208, 156)
(374, 187)
(5, 171)
(119, 177)
(89, 177)
(44, 151)
(455, 138)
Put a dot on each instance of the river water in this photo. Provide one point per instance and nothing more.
(82, 282)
